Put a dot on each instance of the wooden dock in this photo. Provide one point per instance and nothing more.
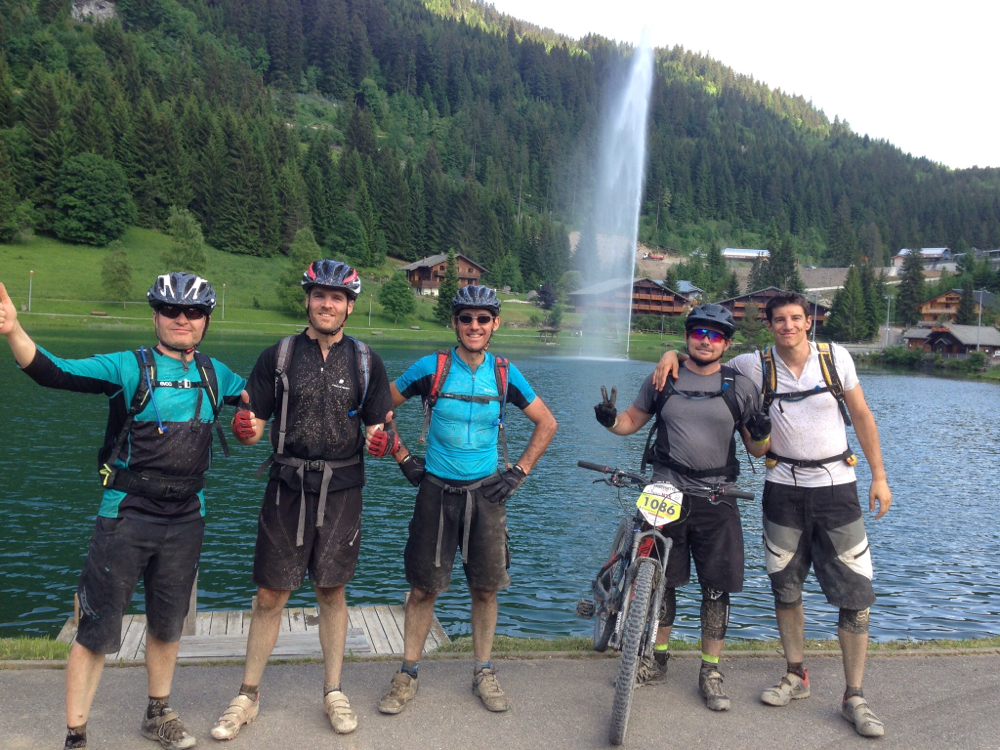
(372, 631)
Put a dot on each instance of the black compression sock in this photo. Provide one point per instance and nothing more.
(156, 706)
(76, 737)
(797, 669)
(328, 688)
(250, 691)
(850, 692)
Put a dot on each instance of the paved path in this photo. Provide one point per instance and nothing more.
(927, 701)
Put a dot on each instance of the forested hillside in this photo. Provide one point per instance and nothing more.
(386, 127)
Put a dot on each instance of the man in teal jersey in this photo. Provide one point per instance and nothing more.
(462, 496)
(164, 402)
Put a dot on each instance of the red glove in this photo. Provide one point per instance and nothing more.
(243, 424)
(383, 442)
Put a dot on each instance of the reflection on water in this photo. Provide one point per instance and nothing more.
(935, 558)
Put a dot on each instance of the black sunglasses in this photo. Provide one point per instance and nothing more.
(483, 320)
(191, 313)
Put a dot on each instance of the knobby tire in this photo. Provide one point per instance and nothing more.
(635, 629)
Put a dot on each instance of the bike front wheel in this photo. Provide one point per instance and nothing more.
(635, 629)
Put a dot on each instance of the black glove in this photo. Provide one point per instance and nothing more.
(759, 427)
(605, 411)
(498, 488)
(413, 468)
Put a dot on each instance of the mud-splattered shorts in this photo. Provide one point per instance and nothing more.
(123, 551)
(329, 552)
(819, 527)
(713, 536)
(438, 511)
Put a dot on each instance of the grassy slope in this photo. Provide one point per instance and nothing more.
(67, 287)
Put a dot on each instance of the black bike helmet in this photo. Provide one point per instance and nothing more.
(183, 290)
(334, 274)
(713, 315)
(475, 297)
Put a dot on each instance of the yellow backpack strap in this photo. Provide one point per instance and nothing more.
(769, 379)
(831, 378)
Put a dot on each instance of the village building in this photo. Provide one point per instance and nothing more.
(648, 298)
(932, 257)
(737, 305)
(744, 255)
(953, 340)
(946, 304)
(689, 290)
(426, 275)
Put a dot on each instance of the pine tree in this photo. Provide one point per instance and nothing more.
(303, 251)
(966, 314)
(782, 268)
(848, 317)
(447, 290)
(758, 276)
(733, 288)
(116, 273)
(911, 287)
(671, 279)
(187, 244)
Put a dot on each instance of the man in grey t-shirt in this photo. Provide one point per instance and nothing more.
(696, 416)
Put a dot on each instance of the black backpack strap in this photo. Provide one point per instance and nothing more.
(364, 361)
(147, 376)
(658, 404)
(210, 382)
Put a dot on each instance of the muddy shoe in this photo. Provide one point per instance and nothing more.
(243, 710)
(342, 716)
(866, 723)
(710, 687)
(168, 730)
(487, 687)
(650, 672)
(792, 687)
(402, 690)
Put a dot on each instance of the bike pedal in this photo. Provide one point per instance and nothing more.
(585, 608)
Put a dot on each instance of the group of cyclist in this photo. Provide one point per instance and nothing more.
(331, 401)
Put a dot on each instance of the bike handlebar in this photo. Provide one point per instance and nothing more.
(722, 492)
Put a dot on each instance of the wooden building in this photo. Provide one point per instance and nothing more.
(737, 305)
(932, 257)
(425, 275)
(648, 298)
(951, 339)
(946, 304)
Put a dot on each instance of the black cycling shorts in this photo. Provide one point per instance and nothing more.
(328, 552)
(821, 527)
(489, 551)
(713, 536)
(123, 551)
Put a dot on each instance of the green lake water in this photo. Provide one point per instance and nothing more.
(935, 554)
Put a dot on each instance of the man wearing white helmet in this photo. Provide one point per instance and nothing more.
(164, 401)
(323, 388)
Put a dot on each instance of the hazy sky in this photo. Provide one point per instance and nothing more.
(923, 76)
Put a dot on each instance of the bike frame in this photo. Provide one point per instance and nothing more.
(658, 552)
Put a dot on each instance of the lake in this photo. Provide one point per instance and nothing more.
(935, 553)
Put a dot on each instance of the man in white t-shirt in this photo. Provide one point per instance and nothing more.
(812, 516)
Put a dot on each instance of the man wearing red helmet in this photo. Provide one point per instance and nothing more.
(164, 402)
(324, 389)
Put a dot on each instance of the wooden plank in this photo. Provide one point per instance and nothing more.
(358, 643)
(296, 620)
(392, 632)
(288, 645)
(375, 632)
(68, 632)
(135, 637)
(126, 624)
(234, 623)
(247, 619)
(312, 617)
(283, 623)
(219, 622)
(192, 615)
(203, 623)
(438, 631)
(355, 620)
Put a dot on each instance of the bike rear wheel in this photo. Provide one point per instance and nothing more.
(635, 629)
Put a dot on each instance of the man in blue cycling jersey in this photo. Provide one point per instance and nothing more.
(156, 450)
(461, 497)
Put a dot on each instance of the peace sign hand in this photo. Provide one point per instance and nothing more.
(605, 411)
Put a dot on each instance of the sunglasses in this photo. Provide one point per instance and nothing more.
(483, 320)
(705, 333)
(191, 313)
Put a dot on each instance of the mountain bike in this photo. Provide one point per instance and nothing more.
(629, 588)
